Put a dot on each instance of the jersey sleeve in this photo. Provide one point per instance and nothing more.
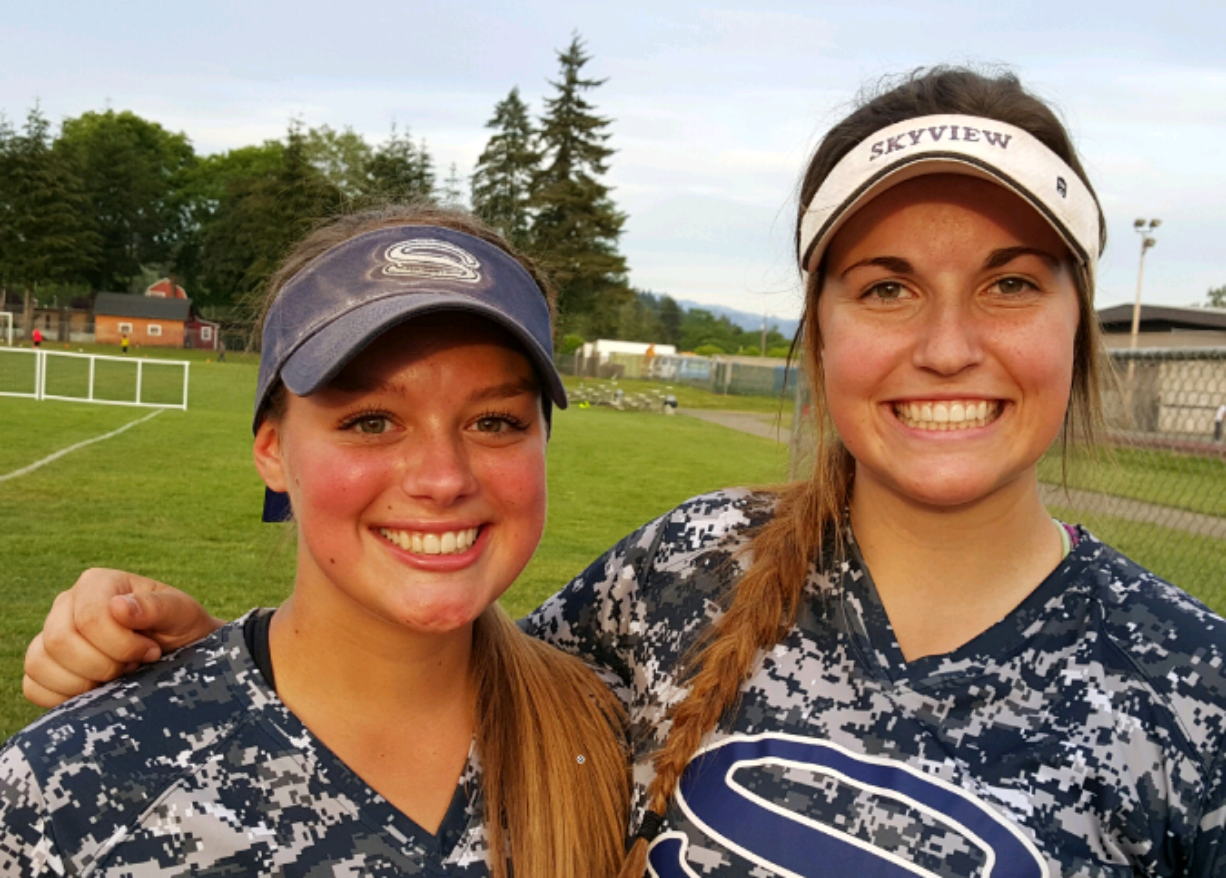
(27, 847)
(636, 611)
(594, 615)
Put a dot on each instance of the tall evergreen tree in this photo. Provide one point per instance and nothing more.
(452, 192)
(576, 225)
(506, 168)
(46, 230)
(400, 169)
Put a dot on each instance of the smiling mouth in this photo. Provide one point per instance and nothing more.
(949, 414)
(450, 542)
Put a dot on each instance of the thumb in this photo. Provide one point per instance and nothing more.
(168, 617)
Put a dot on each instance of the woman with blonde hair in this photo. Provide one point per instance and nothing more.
(903, 665)
(388, 718)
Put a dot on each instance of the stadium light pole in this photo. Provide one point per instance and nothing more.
(1146, 231)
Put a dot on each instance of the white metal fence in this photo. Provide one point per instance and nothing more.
(95, 378)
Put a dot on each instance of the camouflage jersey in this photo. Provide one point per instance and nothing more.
(1081, 735)
(195, 767)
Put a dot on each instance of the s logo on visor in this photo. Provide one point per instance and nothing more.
(431, 259)
(782, 837)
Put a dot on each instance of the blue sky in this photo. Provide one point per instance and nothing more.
(715, 107)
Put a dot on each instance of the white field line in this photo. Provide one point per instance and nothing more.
(71, 448)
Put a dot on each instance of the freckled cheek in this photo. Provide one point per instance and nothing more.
(519, 486)
(341, 482)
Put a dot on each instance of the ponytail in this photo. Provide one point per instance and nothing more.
(763, 607)
(548, 733)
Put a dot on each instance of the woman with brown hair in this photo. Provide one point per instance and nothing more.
(388, 718)
(903, 665)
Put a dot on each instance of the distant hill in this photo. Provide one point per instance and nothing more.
(747, 320)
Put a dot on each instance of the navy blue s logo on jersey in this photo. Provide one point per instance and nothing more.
(791, 843)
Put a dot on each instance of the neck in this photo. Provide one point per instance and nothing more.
(946, 575)
(326, 657)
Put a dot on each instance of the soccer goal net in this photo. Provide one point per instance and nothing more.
(6, 327)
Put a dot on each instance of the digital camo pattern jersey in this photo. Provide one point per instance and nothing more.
(194, 767)
(1082, 735)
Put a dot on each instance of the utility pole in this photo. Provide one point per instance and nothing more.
(1146, 231)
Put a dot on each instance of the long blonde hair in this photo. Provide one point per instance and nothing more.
(808, 515)
(548, 732)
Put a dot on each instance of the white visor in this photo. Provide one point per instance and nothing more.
(967, 145)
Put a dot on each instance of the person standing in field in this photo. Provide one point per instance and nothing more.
(388, 718)
(123, 343)
(902, 665)
(37, 337)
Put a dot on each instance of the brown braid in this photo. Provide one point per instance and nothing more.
(766, 600)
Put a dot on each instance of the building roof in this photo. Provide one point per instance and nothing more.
(145, 307)
(1161, 318)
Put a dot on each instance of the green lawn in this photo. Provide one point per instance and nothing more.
(177, 498)
(690, 397)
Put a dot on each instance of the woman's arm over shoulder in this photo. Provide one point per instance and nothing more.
(609, 612)
(106, 625)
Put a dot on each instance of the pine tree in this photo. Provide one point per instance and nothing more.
(452, 193)
(400, 170)
(502, 180)
(576, 225)
(45, 218)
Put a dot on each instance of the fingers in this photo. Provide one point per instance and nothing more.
(47, 682)
(81, 624)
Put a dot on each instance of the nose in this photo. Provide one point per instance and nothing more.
(438, 470)
(949, 337)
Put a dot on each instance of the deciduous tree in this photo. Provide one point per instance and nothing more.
(131, 169)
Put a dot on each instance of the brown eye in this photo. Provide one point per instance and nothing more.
(372, 425)
(888, 291)
(1011, 286)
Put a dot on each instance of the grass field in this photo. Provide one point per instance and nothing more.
(177, 498)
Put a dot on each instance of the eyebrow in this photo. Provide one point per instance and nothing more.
(893, 264)
(1001, 258)
(996, 259)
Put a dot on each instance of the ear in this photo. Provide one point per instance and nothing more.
(267, 453)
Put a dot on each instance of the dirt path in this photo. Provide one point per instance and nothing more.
(756, 423)
(1135, 510)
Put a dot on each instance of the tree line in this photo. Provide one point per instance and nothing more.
(113, 201)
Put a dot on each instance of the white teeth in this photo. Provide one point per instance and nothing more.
(446, 543)
(948, 415)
